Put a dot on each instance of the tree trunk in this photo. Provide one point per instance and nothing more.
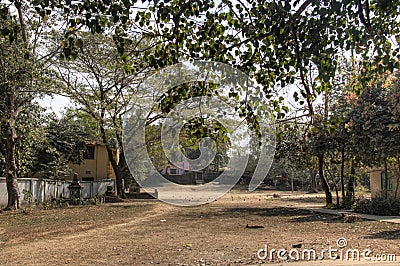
(11, 168)
(292, 182)
(117, 170)
(118, 173)
(126, 174)
(18, 5)
(313, 175)
(335, 185)
(350, 184)
(342, 176)
(337, 196)
(122, 165)
(386, 180)
(324, 184)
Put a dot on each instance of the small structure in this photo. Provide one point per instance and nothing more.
(180, 173)
(176, 168)
(110, 196)
(377, 183)
(96, 165)
(134, 188)
(75, 190)
(136, 193)
(110, 191)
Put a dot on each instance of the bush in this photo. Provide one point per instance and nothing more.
(54, 204)
(377, 206)
(28, 197)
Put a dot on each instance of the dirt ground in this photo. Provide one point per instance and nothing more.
(146, 232)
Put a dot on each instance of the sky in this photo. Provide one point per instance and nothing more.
(56, 103)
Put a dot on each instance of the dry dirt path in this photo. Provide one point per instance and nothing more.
(89, 247)
(212, 234)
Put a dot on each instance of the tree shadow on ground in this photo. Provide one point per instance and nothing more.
(387, 235)
(288, 214)
(269, 212)
(326, 218)
(306, 200)
(291, 214)
(314, 217)
(294, 215)
(236, 212)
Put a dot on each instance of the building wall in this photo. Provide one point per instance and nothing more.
(171, 170)
(98, 168)
(376, 183)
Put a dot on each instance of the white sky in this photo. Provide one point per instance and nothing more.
(56, 103)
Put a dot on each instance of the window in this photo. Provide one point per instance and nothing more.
(89, 154)
(173, 171)
(383, 181)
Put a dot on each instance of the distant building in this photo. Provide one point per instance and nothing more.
(377, 183)
(96, 165)
(177, 168)
(179, 173)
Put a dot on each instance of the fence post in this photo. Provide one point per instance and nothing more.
(37, 190)
(55, 190)
(44, 190)
(91, 189)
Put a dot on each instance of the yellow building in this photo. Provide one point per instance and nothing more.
(95, 165)
(377, 183)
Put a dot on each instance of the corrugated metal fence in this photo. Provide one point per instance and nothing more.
(45, 189)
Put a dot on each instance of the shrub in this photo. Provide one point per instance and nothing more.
(377, 206)
(28, 197)
(54, 204)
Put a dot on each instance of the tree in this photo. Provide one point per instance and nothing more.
(319, 144)
(275, 42)
(23, 77)
(291, 156)
(62, 144)
(30, 126)
(102, 85)
(374, 124)
(15, 78)
(82, 121)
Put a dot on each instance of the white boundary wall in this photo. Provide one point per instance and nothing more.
(46, 189)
